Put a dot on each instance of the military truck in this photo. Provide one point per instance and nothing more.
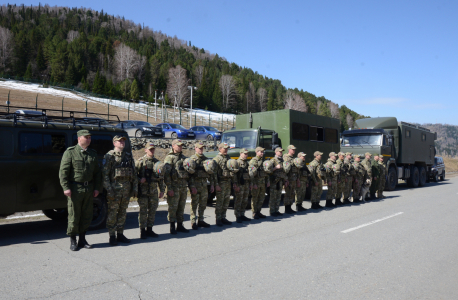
(407, 149)
(31, 150)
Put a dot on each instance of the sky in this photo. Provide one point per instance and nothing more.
(379, 58)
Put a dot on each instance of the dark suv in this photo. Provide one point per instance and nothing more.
(438, 169)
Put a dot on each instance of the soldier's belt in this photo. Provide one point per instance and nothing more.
(85, 183)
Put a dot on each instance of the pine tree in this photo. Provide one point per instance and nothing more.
(271, 98)
(134, 92)
(324, 110)
(41, 65)
(28, 73)
(70, 75)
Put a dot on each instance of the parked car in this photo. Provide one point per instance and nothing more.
(176, 131)
(141, 129)
(438, 169)
(206, 133)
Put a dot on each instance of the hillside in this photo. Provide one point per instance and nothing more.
(112, 57)
(447, 138)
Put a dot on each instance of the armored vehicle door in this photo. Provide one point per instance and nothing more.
(386, 148)
(8, 174)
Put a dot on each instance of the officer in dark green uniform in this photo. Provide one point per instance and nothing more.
(81, 180)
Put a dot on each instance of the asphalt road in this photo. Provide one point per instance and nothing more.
(401, 247)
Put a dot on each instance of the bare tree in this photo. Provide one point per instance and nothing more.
(72, 34)
(350, 121)
(177, 85)
(251, 98)
(127, 62)
(334, 108)
(199, 73)
(227, 85)
(6, 46)
(262, 98)
(294, 101)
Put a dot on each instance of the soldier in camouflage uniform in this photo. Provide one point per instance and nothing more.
(278, 178)
(293, 180)
(332, 172)
(81, 180)
(375, 176)
(317, 174)
(340, 178)
(260, 180)
(382, 177)
(148, 201)
(121, 184)
(199, 182)
(176, 181)
(303, 174)
(350, 172)
(224, 179)
(241, 197)
(359, 178)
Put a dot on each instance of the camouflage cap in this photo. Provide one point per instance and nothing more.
(150, 146)
(367, 153)
(118, 138)
(301, 154)
(291, 147)
(83, 132)
(340, 154)
(259, 149)
(376, 154)
(349, 153)
(199, 145)
(279, 149)
(244, 150)
(317, 153)
(332, 154)
(177, 142)
(223, 145)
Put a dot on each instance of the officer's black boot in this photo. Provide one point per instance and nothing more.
(338, 202)
(142, 233)
(73, 245)
(244, 218)
(329, 204)
(194, 226)
(261, 215)
(203, 224)
(113, 241)
(82, 243)
(346, 201)
(219, 222)
(150, 232)
(122, 238)
(180, 228)
(299, 207)
(226, 221)
(289, 210)
(172, 228)
(255, 216)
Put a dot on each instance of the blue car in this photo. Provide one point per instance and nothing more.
(176, 131)
(206, 133)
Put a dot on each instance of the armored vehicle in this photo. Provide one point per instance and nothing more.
(408, 149)
(31, 150)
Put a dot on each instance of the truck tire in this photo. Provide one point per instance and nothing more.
(59, 214)
(392, 179)
(443, 176)
(100, 213)
(422, 173)
(414, 178)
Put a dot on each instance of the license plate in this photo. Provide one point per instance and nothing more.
(158, 132)
(190, 134)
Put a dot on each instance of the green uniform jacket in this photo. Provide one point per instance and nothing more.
(375, 169)
(80, 166)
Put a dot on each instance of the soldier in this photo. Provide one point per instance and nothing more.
(348, 162)
(367, 163)
(382, 177)
(148, 201)
(224, 178)
(317, 174)
(176, 181)
(341, 177)
(293, 180)
(81, 180)
(121, 184)
(360, 176)
(241, 197)
(375, 176)
(303, 173)
(199, 182)
(278, 178)
(260, 180)
(332, 172)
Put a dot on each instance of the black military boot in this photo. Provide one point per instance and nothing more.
(356, 200)
(180, 228)
(289, 210)
(299, 207)
(113, 241)
(318, 206)
(238, 219)
(329, 204)
(226, 222)
(172, 228)
(346, 201)
(73, 245)
(255, 216)
(194, 226)
(261, 215)
(245, 218)
(122, 238)
(273, 214)
(219, 222)
(150, 232)
(82, 243)
(143, 233)
(338, 202)
(203, 224)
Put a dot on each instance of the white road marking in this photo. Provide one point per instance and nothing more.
(373, 222)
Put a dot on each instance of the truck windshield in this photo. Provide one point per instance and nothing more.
(241, 139)
(361, 140)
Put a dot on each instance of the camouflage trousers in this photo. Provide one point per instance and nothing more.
(290, 193)
(275, 195)
(341, 185)
(199, 200)
(301, 191)
(223, 198)
(79, 209)
(148, 203)
(348, 186)
(241, 200)
(177, 202)
(381, 187)
(117, 207)
(332, 189)
(357, 188)
(317, 190)
(258, 195)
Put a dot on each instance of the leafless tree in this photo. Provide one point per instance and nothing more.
(127, 62)
(334, 108)
(294, 101)
(251, 98)
(350, 121)
(6, 46)
(227, 85)
(262, 98)
(199, 73)
(177, 85)
(72, 34)
(318, 104)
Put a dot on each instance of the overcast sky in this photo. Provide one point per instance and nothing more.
(379, 58)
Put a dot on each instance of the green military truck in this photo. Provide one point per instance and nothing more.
(31, 150)
(407, 149)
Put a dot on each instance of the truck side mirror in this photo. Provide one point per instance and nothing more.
(275, 142)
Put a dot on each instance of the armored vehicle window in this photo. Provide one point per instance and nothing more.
(316, 134)
(6, 148)
(241, 139)
(102, 143)
(41, 143)
(300, 131)
(330, 135)
(407, 133)
(423, 137)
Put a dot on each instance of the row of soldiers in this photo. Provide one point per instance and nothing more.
(147, 179)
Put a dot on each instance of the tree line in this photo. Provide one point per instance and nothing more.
(117, 58)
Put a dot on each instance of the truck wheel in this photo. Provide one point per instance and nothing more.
(422, 173)
(392, 179)
(174, 135)
(443, 176)
(99, 213)
(209, 137)
(59, 214)
(414, 177)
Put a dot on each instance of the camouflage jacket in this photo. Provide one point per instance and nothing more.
(243, 175)
(200, 175)
(360, 171)
(260, 174)
(293, 174)
(350, 169)
(278, 174)
(303, 170)
(78, 165)
(375, 169)
(223, 173)
(382, 167)
(144, 167)
(177, 173)
(367, 164)
(316, 171)
(332, 169)
(119, 166)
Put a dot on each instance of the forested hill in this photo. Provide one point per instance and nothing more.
(117, 58)
(447, 138)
